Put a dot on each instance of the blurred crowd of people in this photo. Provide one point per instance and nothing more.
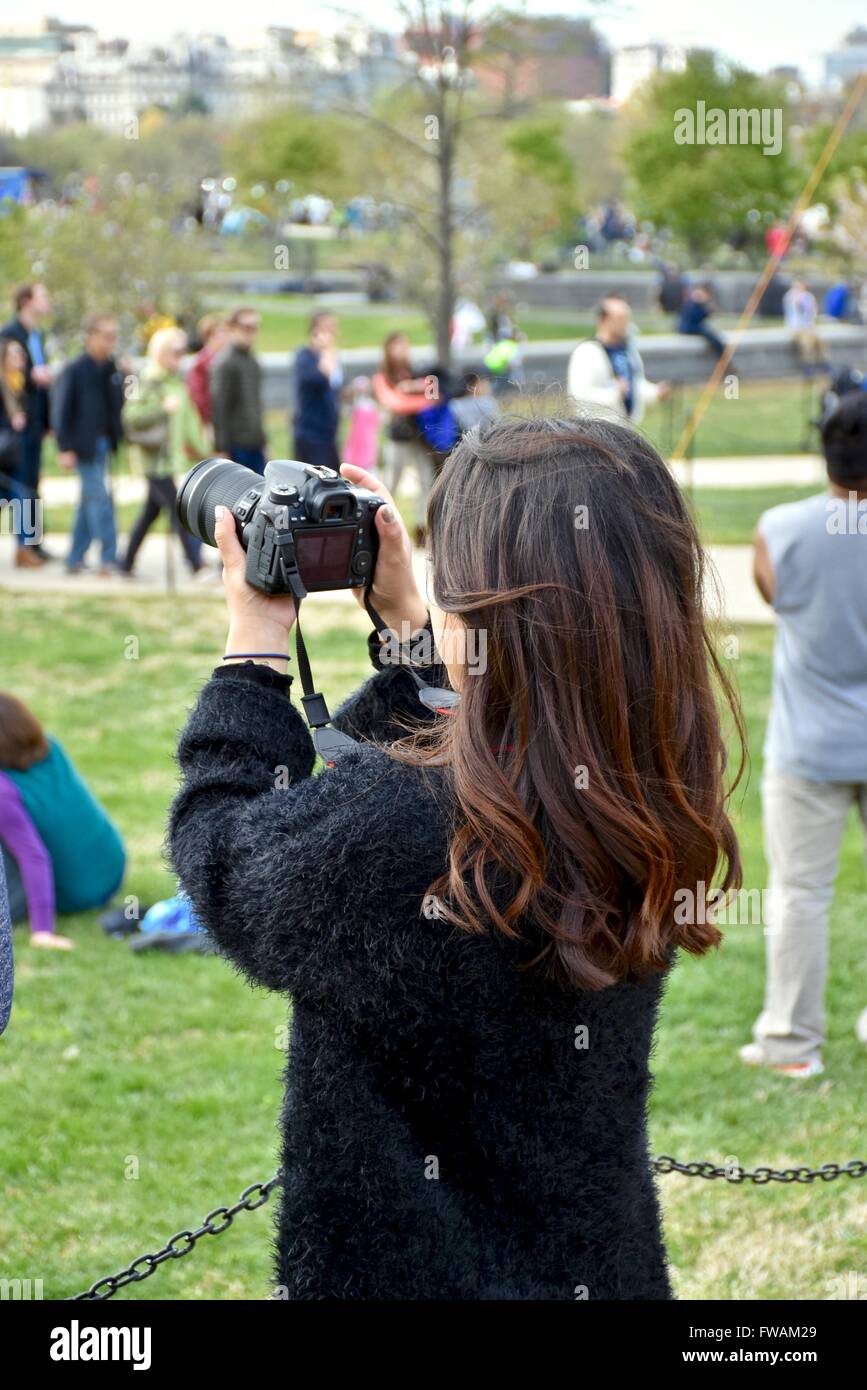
(171, 411)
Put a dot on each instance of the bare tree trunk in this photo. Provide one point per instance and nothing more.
(446, 295)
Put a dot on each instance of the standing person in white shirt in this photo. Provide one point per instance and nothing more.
(810, 565)
(467, 321)
(800, 312)
(607, 370)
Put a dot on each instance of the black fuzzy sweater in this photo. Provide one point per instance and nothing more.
(447, 1133)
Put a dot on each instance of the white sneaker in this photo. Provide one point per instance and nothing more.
(861, 1027)
(753, 1056)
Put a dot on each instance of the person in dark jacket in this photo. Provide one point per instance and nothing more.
(474, 911)
(236, 395)
(31, 305)
(86, 417)
(24, 515)
(695, 318)
(318, 384)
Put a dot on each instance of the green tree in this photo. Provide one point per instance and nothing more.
(118, 253)
(13, 253)
(438, 150)
(173, 152)
(527, 185)
(592, 140)
(296, 145)
(703, 192)
(847, 165)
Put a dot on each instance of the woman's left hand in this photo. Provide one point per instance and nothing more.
(257, 622)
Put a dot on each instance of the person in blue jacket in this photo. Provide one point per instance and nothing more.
(318, 385)
(695, 318)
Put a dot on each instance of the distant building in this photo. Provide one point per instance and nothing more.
(848, 60)
(52, 73)
(631, 67)
(27, 60)
(549, 57)
(523, 58)
(110, 82)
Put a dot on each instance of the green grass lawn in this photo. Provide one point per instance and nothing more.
(769, 417)
(728, 515)
(170, 1067)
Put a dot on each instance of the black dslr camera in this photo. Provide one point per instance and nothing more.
(299, 522)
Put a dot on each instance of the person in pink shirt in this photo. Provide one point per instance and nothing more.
(362, 441)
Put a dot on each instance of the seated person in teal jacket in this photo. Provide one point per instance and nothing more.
(84, 846)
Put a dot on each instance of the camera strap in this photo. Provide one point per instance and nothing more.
(329, 742)
(434, 697)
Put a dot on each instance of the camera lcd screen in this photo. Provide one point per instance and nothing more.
(323, 555)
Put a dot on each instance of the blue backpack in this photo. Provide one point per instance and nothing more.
(171, 915)
(438, 426)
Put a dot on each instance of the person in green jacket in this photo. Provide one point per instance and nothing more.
(167, 436)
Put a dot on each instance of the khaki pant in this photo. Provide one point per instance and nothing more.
(804, 825)
(396, 455)
(809, 347)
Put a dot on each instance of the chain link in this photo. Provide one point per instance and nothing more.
(221, 1218)
(182, 1243)
(734, 1173)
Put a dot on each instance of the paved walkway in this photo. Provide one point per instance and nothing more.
(761, 471)
(160, 569)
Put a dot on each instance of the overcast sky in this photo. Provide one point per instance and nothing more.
(759, 33)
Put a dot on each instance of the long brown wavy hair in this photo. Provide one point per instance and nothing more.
(586, 755)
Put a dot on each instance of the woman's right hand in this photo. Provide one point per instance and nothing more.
(394, 594)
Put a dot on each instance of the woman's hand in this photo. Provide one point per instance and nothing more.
(394, 593)
(257, 622)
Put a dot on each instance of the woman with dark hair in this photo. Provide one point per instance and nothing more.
(13, 438)
(475, 976)
(65, 852)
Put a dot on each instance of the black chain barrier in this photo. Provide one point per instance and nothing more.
(182, 1243)
(221, 1218)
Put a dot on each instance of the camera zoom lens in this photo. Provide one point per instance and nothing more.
(211, 484)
